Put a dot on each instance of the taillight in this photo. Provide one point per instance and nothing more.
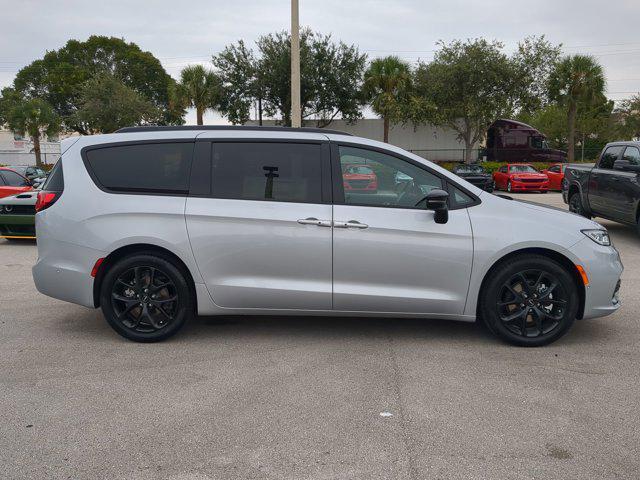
(46, 199)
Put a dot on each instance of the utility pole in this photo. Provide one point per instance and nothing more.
(296, 114)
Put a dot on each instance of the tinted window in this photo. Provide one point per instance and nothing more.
(393, 183)
(55, 180)
(609, 156)
(13, 179)
(153, 167)
(285, 172)
(632, 154)
(555, 169)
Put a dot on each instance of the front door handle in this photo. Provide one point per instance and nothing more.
(350, 224)
(314, 221)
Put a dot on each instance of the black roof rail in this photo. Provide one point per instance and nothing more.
(171, 128)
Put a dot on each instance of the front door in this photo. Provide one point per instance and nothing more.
(262, 236)
(389, 255)
(604, 185)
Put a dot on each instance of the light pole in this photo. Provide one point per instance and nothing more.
(296, 114)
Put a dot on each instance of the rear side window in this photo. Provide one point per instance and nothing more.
(13, 179)
(55, 180)
(149, 167)
(285, 172)
(609, 156)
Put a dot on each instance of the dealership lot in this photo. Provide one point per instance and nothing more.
(266, 397)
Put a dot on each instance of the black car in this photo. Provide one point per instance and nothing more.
(475, 174)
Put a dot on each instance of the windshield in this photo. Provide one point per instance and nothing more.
(469, 169)
(522, 169)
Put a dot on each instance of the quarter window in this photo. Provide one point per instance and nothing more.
(632, 155)
(150, 167)
(372, 178)
(609, 156)
(285, 172)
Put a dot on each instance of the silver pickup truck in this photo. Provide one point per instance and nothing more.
(610, 188)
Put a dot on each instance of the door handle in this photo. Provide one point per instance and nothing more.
(350, 224)
(314, 221)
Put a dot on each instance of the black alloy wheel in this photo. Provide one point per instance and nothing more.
(529, 300)
(145, 298)
(575, 205)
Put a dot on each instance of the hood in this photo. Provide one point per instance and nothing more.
(473, 175)
(553, 216)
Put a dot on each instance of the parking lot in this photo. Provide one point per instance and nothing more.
(313, 398)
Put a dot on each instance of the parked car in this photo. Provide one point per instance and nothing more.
(610, 188)
(36, 175)
(359, 177)
(156, 224)
(476, 175)
(512, 141)
(555, 174)
(520, 177)
(12, 183)
(17, 216)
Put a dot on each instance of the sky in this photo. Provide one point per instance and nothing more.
(187, 32)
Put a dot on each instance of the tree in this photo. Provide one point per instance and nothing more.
(629, 113)
(577, 81)
(60, 74)
(330, 77)
(386, 86)
(29, 116)
(199, 88)
(239, 75)
(106, 105)
(466, 87)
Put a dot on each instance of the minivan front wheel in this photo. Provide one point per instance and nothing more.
(145, 298)
(529, 301)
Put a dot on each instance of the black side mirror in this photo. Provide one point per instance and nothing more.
(437, 200)
(626, 166)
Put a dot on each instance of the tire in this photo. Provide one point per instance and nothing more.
(146, 298)
(575, 205)
(509, 187)
(529, 301)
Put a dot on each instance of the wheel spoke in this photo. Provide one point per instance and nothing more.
(127, 309)
(518, 296)
(165, 300)
(525, 283)
(513, 316)
(537, 284)
(539, 315)
(159, 307)
(548, 291)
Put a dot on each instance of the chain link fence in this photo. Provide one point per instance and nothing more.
(505, 155)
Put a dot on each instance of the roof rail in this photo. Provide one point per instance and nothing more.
(170, 128)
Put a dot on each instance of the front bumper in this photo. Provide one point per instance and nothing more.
(604, 268)
(527, 187)
(14, 226)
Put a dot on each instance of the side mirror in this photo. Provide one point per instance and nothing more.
(437, 200)
(626, 166)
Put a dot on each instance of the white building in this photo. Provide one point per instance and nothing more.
(17, 150)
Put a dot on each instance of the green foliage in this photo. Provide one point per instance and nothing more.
(106, 105)
(198, 88)
(330, 78)
(629, 113)
(239, 75)
(58, 77)
(386, 87)
(577, 84)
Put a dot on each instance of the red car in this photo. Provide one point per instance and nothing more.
(359, 178)
(520, 177)
(12, 183)
(556, 174)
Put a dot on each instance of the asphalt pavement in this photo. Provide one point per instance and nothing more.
(313, 398)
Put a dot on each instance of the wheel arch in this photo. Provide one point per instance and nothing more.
(136, 248)
(553, 255)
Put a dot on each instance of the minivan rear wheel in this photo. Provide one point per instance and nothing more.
(145, 298)
(529, 301)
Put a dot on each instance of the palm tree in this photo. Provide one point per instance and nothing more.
(199, 88)
(29, 116)
(576, 81)
(386, 82)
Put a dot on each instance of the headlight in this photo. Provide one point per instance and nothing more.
(601, 237)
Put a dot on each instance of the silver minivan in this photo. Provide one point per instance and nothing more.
(157, 224)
